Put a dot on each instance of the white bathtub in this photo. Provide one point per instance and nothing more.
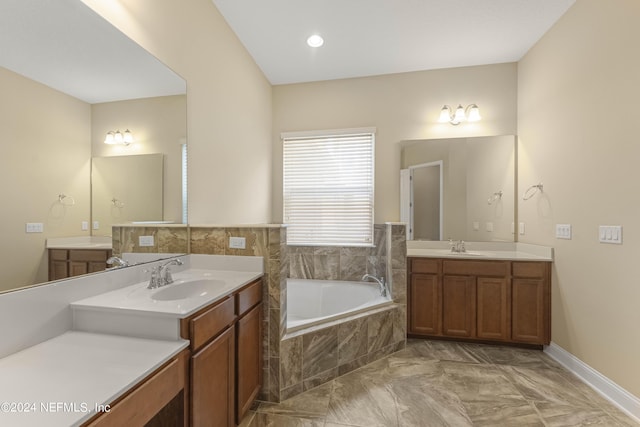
(311, 302)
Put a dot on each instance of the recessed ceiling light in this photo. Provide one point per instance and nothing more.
(315, 41)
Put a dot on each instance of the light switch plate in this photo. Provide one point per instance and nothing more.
(489, 226)
(521, 228)
(85, 225)
(96, 225)
(34, 227)
(145, 241)
(237, 242)
(610, 234)
(563, 231)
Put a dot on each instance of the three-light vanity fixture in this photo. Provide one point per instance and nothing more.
(461, 114)
(117, 137)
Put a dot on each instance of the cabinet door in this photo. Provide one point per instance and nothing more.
(530, 318)
(494, 303)
(425, 316)
(213, 382)
(249, 358)
(459, 306)
(76, 268)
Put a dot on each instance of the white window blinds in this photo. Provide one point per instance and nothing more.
(328, 189)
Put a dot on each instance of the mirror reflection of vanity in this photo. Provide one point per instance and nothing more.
(459, 188)
(52, 127)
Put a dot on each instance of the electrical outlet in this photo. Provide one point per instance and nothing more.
(96, 225)
(34, 227)
(145, 241)
(85, 225)
(237, 242)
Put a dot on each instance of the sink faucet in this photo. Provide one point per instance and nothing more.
(379, 281)
(119, 262)
(457, 247)
(161, 275)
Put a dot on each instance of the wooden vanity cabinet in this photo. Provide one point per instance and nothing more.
(531, 302)
(64, 263)
(225, 366)
(484, 300)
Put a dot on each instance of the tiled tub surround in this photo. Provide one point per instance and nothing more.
(269, 241)
(312, 356)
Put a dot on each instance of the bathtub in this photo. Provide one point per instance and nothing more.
(312, 302)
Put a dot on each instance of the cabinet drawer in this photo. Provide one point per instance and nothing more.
(211, 322)
(58, 254)
(139, 406)
(248, 297)
(424, 265)
(530, 269)
(476, 268)
(88, 255)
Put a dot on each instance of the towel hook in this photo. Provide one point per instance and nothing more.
(117, 203)
(495, 196)
(71, 201)
(531, 191)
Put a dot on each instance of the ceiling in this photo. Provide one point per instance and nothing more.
(373, 37)
(67, 46)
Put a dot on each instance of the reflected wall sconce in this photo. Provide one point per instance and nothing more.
(119, 138)
(461, 114)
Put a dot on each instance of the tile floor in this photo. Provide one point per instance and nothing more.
(440, 383)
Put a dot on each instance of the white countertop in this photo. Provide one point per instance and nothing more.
(481, 251)
(81, 242)
(138, 299)
(59, 382)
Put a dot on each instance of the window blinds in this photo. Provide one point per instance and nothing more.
(328, 189)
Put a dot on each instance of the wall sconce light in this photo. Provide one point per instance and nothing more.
(117, 137)
(470, 114)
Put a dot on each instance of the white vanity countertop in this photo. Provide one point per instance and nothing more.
(82, 242)
(481, 251)
(59, 382)
(140, 300)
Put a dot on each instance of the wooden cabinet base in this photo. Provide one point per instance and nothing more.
(506, 302)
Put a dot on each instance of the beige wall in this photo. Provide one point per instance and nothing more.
(45, 152)
(577, 104)
(401, 107)
(228, 103)
(159, 125)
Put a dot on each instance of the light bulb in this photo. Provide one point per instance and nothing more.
(128, 137)
(109, 139)
(445, 114)
(315, 40)
(459, 116)
(474, 113)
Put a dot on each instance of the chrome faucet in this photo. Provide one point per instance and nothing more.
(161, 275)
(119, 262)
(457, 247)
(379, 281)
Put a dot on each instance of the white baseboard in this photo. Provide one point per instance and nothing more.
(627, 402)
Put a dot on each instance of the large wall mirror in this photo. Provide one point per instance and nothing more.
(68, 77)
(459, 188)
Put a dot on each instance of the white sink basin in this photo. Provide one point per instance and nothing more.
(191, 289)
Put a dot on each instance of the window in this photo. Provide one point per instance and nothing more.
(328, 188)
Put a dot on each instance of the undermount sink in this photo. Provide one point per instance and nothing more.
(184, 290)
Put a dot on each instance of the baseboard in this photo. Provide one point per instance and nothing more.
(627, 402)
